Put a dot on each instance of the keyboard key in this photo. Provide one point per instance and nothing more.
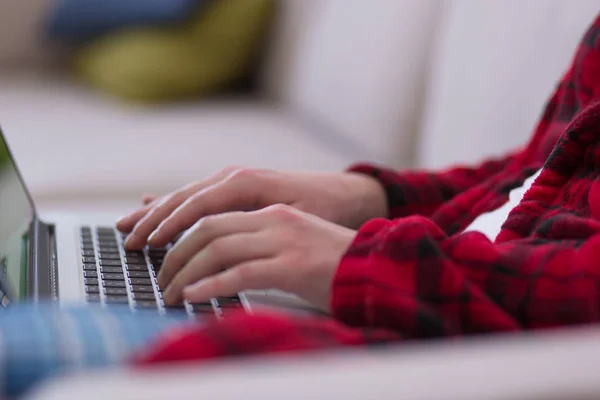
(113, 277)
(116, 299)
(90, 260)
(229, 302)
(134, 267)
(175, 310)
(109, 256)
(91, 281)
(117, 284)
(85, 229)
(135, 260)
(92, 289)
(111, 270)
(142, 289)
(143, 296)
(146, 304)
(115, 291)
(111, 263)
(139, 274)
(90, 274)
(134, 253)
(88, 253)
(179, 306)
(106, 236)
(140, 281)
(93, 297)
(87, 247)
(203, 308)
(89, 267)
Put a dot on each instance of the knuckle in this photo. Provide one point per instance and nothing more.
(242, 174)
(172, 258)
(187, 188)
(215, 284)
(246, 274)
(230, 169)
(217, 248)
(206, 224)
(283, 212)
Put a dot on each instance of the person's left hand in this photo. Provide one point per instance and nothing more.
(278, 247)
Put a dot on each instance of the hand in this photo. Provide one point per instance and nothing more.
(346, 199)
(278, 247)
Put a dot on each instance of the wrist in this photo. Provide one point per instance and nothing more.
(369, 198)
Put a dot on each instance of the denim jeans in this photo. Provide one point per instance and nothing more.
(38, 342)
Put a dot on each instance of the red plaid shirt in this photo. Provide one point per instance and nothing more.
(416, 275)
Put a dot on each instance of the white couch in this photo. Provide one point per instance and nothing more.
(402, 82)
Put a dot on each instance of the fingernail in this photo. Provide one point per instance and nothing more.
(167, 296)
(159, 280)
(153, 236)
(186, 291)
(131, 241)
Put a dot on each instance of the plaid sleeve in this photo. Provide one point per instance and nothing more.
(423, 192)
(265, 333)
(409, 276)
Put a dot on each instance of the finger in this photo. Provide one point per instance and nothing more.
(148, 198)
(125, 224)
(239, 193)
(204, 232)
(251, 275)
(216, 257)
(151, 219)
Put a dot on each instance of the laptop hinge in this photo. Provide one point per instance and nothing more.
(42, 267)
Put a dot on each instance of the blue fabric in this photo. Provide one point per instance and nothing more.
(80, 20)
(39, 342)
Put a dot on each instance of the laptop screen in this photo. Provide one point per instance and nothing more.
(16, 214)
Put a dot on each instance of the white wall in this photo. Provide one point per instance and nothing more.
(496, 64)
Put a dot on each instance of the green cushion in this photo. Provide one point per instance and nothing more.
(213, 50)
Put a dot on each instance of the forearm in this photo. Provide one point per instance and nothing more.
(409, 277)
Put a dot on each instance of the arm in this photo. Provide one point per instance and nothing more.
(409, 277)
(422, 192)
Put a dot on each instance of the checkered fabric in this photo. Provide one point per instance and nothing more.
(416, 275)
(41, 342)
(412, 276)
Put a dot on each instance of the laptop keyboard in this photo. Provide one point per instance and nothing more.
(113, 275)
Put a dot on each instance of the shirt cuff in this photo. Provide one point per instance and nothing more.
(350, 293)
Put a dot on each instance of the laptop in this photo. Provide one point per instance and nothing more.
(67, 258)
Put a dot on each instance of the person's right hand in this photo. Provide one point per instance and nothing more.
(347, 199)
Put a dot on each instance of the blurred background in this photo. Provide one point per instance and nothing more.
(104, 100)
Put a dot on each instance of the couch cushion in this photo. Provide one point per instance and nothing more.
(71, 142)
(155, 64)
(76, 21)
(496, 64)
(358, 66)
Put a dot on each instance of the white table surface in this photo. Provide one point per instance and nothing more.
(555, 366)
